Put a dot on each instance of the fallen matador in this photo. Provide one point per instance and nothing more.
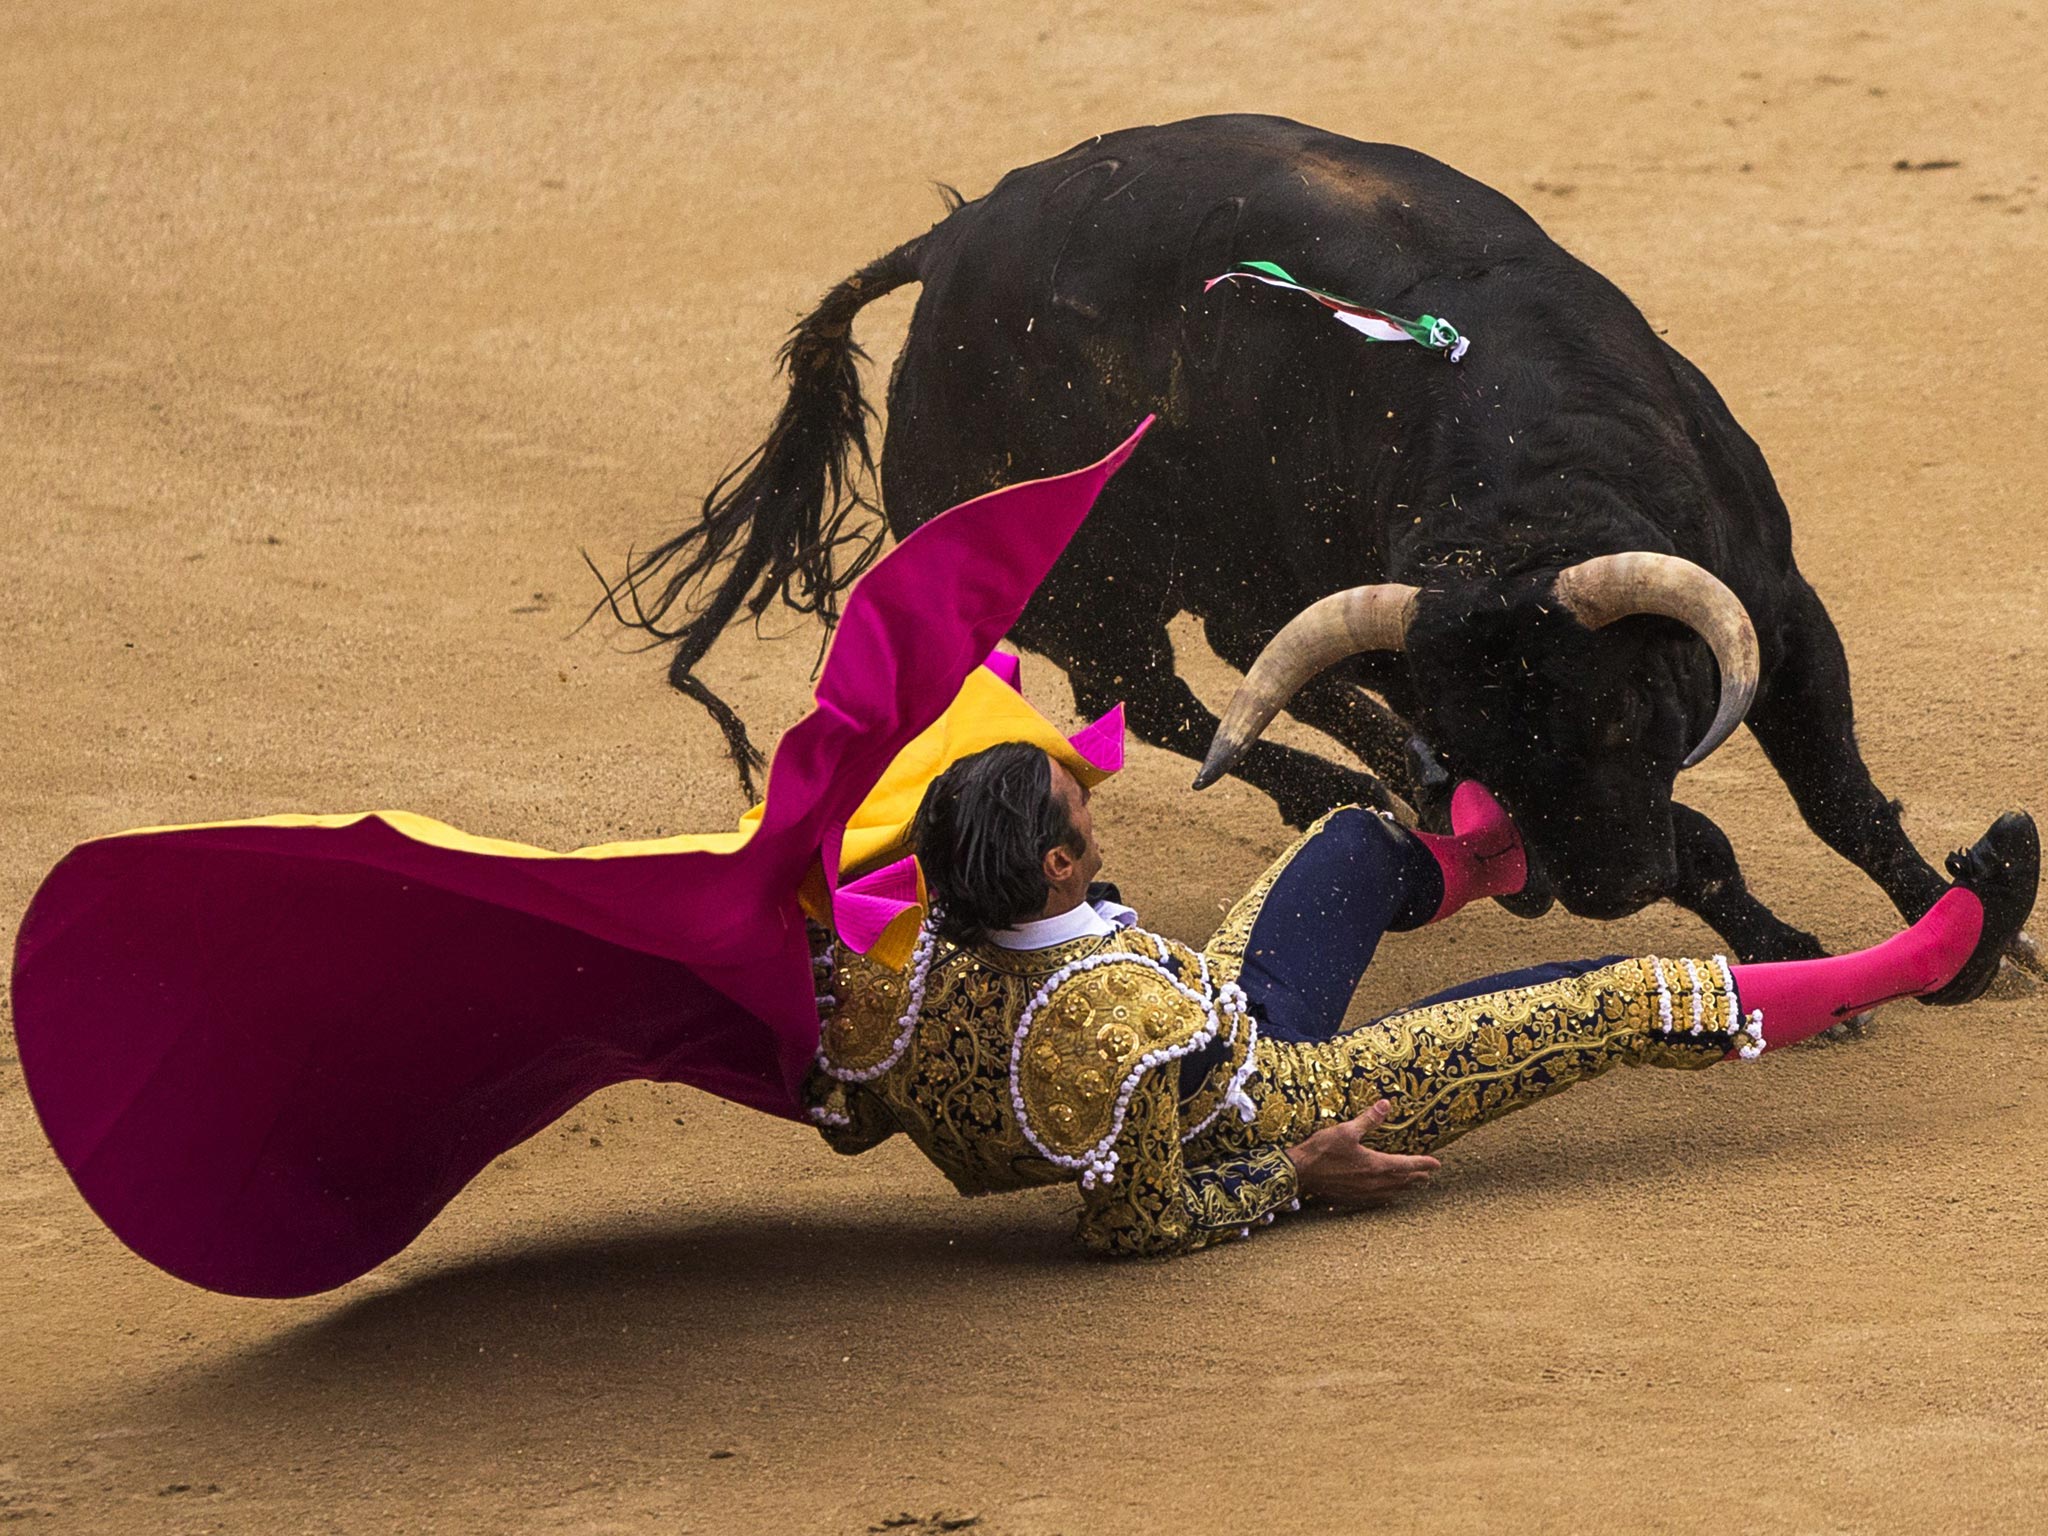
(1040, 1035)
(270, 1052)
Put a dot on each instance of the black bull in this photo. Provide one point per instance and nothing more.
(1293, 459)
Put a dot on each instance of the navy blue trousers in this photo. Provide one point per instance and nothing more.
(1356, 878)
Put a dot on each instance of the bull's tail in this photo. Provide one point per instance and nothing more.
(797, 508)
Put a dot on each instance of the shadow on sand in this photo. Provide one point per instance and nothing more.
(794, 1331)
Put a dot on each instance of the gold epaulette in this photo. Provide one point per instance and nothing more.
(862, 1036)
(1090, 1034)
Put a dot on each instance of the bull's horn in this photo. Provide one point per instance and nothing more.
(1371, 618)
(1597, 592)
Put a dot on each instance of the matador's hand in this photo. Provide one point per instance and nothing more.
(1335, 1165)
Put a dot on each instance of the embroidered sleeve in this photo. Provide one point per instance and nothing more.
(860, 1038)
(1155, 1204)
(850, 1116)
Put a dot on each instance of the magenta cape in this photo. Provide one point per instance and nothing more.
(270, 1054)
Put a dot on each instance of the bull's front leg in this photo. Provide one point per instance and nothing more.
(1806, 724)
(1709, 884)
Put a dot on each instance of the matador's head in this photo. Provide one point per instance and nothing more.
(1004, 836)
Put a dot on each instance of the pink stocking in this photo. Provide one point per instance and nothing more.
(1800, 998)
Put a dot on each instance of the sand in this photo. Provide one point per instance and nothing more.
(328, 335)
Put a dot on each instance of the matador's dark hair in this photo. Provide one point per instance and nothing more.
(982, 834)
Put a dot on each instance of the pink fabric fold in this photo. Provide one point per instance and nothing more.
(862, 908)
(1008, 666)
(269, 1055)
(1102, 742)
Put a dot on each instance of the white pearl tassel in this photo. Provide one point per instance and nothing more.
(1663, 995)
(1747, 1033)
(1237, 1007)
(1745, 1036)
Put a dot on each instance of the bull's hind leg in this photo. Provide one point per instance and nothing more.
(1806, 723)
(1134, 666)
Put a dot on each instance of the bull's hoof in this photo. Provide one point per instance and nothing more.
(2003, 869)
(2024, 956)
(2011, 980)
(1794, 944)
(1842, 1031)
(1431, 783)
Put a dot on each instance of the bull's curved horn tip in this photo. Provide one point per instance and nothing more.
(1703, 751)
(1222, 757)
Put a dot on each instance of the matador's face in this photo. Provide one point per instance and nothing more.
(1087, 864)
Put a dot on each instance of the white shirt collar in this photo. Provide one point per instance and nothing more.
(1085, 921)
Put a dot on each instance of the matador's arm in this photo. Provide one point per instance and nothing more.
(1156, 1204)
(850, 1116)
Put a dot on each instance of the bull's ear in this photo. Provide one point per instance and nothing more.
(1599, 591)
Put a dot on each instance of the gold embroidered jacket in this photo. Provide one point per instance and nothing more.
(1027, 1067)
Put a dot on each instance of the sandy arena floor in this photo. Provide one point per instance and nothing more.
(329, 333)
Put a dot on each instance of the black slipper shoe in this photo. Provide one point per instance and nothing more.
(2003, 868)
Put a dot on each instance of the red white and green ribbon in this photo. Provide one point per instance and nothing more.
(1374, 324)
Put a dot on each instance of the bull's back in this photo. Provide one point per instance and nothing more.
(1123, 229)
(1072, 291)
(1068, 302)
